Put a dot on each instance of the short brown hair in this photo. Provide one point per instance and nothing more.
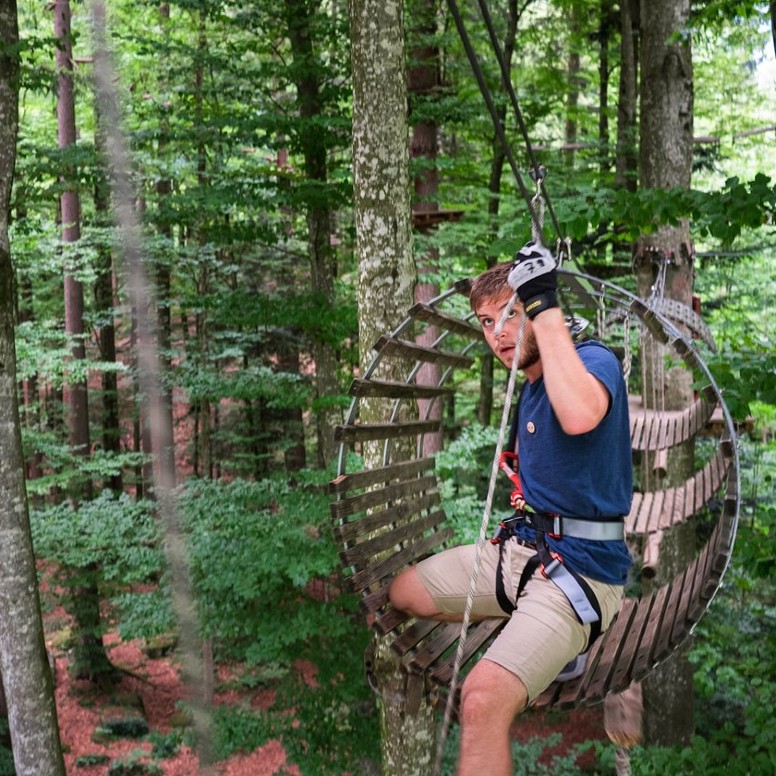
(490, 284)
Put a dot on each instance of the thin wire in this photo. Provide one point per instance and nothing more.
(497, 124)
(483, 531)
(507, 83)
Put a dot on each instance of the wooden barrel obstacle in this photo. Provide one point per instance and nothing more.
(391, 515)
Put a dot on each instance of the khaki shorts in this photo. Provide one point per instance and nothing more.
(543, 633)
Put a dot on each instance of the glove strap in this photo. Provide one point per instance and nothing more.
(538, 304)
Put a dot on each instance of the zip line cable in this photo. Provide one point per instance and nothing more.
(537, 170)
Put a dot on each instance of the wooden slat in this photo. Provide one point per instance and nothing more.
(637, 429)
(662, 646)
(430, 652)
(360, 554)
(382, 475)
(366, 577)
(572, 693)
(409, 350)
(413, 635)
(621, 676)
(476, 636)
(428, 314)
(348, 532)
(656, 509)
(364, 432)
(372, 498)
(374, 601)
(680, 626)
(607, 663)
(632, 517)
(644, 660)
(389, 621)
(386, 389)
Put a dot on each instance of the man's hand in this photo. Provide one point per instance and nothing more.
(534, 278)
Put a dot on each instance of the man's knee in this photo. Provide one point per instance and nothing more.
(408, 594)
(491, 695)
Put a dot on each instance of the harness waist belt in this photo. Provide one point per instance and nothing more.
(595, 530)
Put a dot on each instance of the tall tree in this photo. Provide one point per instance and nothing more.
(423, 83)
(386, 279)
(664, 261)
(90, 660)
(26, 676)
(498, 159)
(626, 163)
(310, 98)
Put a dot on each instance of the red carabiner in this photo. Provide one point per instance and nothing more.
(516, 497)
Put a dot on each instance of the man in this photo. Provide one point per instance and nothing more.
(573, 444)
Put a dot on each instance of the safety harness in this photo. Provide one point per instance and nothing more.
(578, 592)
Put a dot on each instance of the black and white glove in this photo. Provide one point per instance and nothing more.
(535, 278)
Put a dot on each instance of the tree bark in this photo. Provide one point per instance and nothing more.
(386, 278)
(26, 676)
(485, 398)
(90, 659)
(103, 300)
(666, 161)
(626, 164)
(423, 79)
(573, 66)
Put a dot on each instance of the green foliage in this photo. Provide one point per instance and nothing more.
(333, 726)
(463, 470)
(269, 542)
(721, 214)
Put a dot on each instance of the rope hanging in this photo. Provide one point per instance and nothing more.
(483, 535)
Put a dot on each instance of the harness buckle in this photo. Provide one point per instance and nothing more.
(557, 527)
(548, 570)
(503, 532)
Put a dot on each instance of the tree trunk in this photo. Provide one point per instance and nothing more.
(573, 67)
(386, 278)
(666, 161)
(485, 398)
(103, 300)
(626, 164)
(26, 677)
(90, 659)
(323, 270)
(423, 79)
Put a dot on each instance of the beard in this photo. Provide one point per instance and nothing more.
(529, 353)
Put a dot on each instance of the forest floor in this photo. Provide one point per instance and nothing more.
(151, 691)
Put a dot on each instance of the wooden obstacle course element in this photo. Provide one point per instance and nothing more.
(391, 516)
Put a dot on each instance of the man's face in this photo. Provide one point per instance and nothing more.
(503, 346)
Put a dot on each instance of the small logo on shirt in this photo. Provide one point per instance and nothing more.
(530, 426)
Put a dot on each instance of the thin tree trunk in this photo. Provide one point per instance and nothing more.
(485, 399)
(26, 677)
(90, 659)
(626, 162)
(103, 299)
(666, 161)
(323, 269)
(423, 79)
(573, 67)
(386, 279)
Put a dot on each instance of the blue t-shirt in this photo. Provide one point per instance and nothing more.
(584, 475)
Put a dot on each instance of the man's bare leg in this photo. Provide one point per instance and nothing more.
(408, 594)
(491, 698)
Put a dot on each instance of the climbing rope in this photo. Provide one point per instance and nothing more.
(483, 535)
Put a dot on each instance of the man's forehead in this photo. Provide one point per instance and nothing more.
(497, 301)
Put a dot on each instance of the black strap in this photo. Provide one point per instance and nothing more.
(512, 439)
(530, 567)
